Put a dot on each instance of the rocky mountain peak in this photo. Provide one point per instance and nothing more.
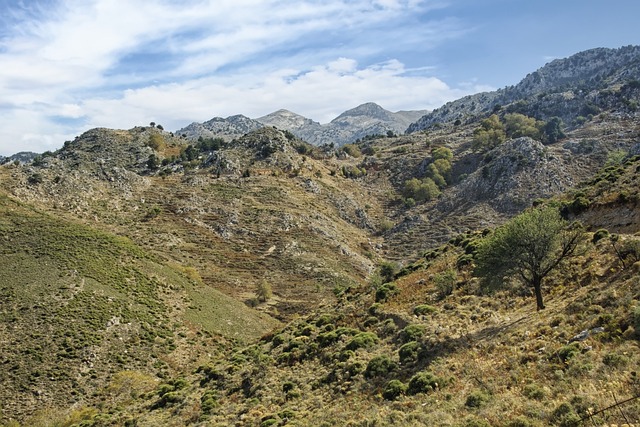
(369, 110)
(285, 119)
(219, 127)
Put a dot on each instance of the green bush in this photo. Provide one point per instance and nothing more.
(387, 271)
(600, 234)
(565, 416)
(208, 401)
(421, 190)
(385, 291)
(476, 422)
(476, 399)
(380, 366)
(568, 351)
(424, 309)
(409, 352)
(533, 391)
(412, 333)
(521, 421)
(325, 319)
(394, 389)
(445, 282)
(362, 340)
(423, 382)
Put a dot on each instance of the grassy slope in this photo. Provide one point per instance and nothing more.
(80, 305)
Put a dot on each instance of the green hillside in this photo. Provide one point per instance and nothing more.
(80, 305)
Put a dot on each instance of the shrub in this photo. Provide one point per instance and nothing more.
(445, 282)
(156, 141)
(421, 191)
(521, 421)
(600, 234)
(278, 340)
(380, 366)
(532, 391)
(635, 319)
(409, 352)
(352, 150)
(34, 179)
(568, 351)
(615, 360)
(424, 309)
(362, 340)
(170, 398)
(412, 333)
(385, 291)
(565, 416)
(394, 389)
(476, 399)
(208, 401)
(387, 271)
(423, 382)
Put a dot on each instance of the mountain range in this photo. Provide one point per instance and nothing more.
(366, 120)
(250, 277)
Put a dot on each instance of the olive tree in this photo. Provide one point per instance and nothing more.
(529, 247)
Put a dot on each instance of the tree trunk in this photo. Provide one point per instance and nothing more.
(537, 286)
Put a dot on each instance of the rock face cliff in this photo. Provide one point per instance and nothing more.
(572, 88)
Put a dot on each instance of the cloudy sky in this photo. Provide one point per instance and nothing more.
(70, 65)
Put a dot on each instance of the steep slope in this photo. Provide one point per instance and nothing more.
(79, 306)
(570, 88)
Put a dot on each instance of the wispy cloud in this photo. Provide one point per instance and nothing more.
(70, 65)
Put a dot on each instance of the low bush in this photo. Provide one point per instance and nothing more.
(394, 389)
(424, 309)
(476, 399)
(409, 352)
(362, 340)
(380, 366)
(423, 382)
(385, 291)
(412, 333)
(599, 235)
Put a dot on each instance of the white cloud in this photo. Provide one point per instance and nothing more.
(75, 64)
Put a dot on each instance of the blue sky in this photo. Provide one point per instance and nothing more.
(70, 65)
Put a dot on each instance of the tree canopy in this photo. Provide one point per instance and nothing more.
(528, 247)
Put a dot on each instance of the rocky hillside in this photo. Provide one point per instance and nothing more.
(218, 127)
(573, 89)
(158, 267)
(299, 125)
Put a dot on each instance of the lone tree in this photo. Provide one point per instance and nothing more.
(529, 246)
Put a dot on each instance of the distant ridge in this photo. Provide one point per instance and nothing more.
(354, 124)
